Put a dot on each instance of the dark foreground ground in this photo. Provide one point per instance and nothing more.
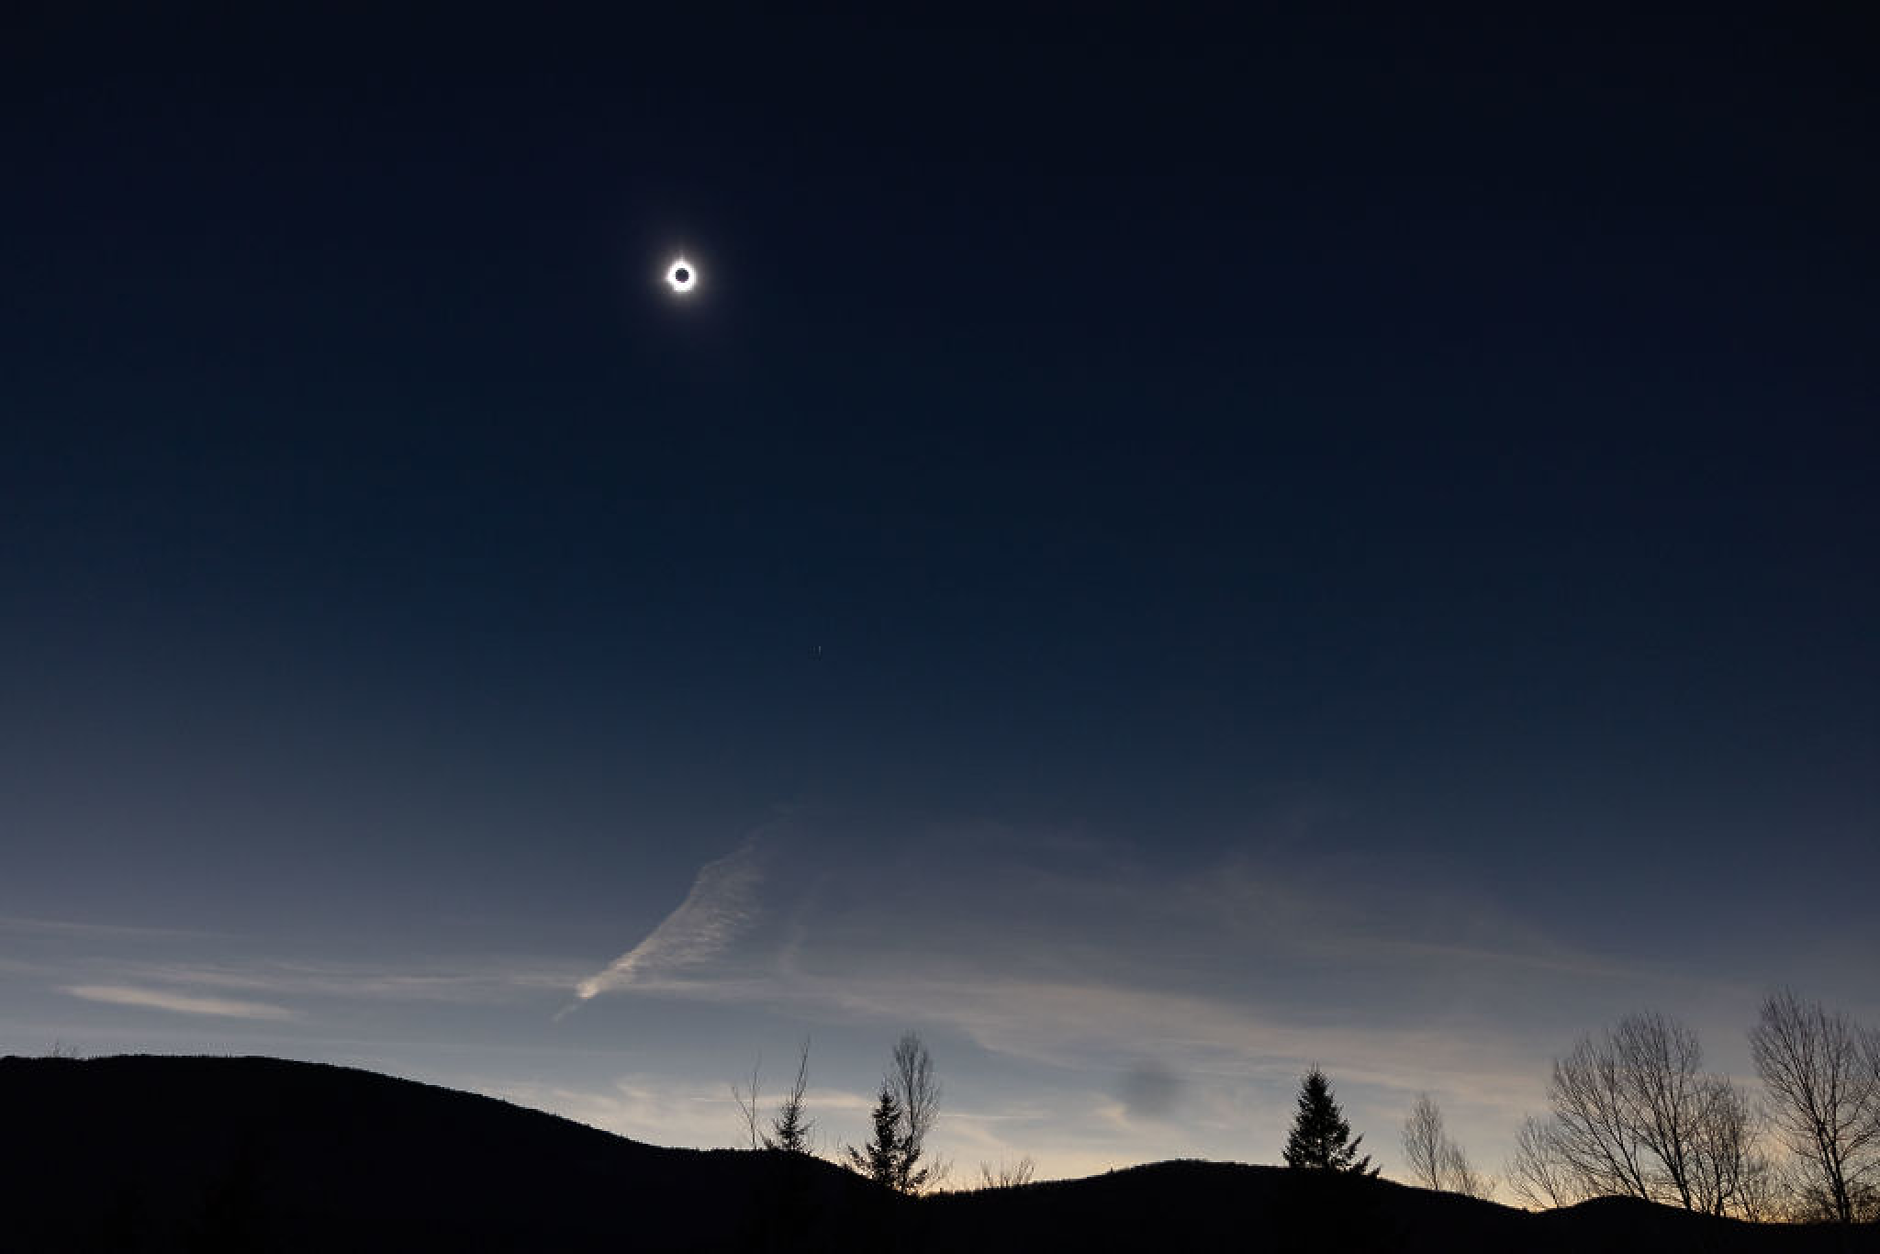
(259, 1154)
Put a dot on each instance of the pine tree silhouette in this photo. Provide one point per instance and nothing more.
(880, 1160)
(1320, 1138)
(790, 1129)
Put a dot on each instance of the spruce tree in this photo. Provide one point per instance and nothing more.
(881, 1159)
(789, 1131)
(1320, 1138)
(790, 1128)
(904, 1114)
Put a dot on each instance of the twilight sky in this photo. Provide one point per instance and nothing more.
(1156, 554)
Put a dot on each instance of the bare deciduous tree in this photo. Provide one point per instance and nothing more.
(1822, 1074)
(1634, 1115)
(1537, 1172)
(1659, 1062)
(1015, 1176)
(1730, 1174)
(1592, 1140)
(1766, 1192)
(1436, 1160)
(1423, 1142)
(747, 1105)
(1462, 1176)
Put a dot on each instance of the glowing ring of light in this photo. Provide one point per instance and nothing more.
(682, 276)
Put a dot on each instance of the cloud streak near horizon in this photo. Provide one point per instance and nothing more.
(180, 1003)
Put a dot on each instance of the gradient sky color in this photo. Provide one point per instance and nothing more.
(1159, 552)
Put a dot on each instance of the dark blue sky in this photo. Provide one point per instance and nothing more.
(1423, 470)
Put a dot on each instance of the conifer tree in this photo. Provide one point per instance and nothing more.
(881, 1159)
(909, 1102)
(790, 1129)
(1321, 1139)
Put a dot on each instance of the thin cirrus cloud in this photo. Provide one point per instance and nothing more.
(89, 929)
(1084, 955)
(469, 982)
(180, 1003)
(788, 914)
(720, 907)
(1135, 987)
(472, 980)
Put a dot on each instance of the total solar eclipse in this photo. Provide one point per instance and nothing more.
(682, 276)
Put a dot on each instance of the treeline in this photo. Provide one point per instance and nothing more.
(895, 1155)
(1632, 1113)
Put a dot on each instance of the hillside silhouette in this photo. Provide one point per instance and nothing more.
(260, 1154)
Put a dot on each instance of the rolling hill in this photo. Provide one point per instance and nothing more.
(259, 1154)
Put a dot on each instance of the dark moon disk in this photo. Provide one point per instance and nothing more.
(682, 276)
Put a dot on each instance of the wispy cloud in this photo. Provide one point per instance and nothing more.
(721, 906)
(180, 1003)
(470, 982)
(1152, 1009)
(1029, 947)
(1145, 986)
(77, 928)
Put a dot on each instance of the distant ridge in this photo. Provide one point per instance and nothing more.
(1195, 1205)
(175, 1153)
(261, 1154)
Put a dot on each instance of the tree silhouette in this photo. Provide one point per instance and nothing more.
(747, 1100)
(1321, 1139)
(790, 1130)
(917, 1090)
(1423, 1140)
(1634, 1115)
(909, 1103)
(1825, 1090)
(1436, 1160)
(882, 1158)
